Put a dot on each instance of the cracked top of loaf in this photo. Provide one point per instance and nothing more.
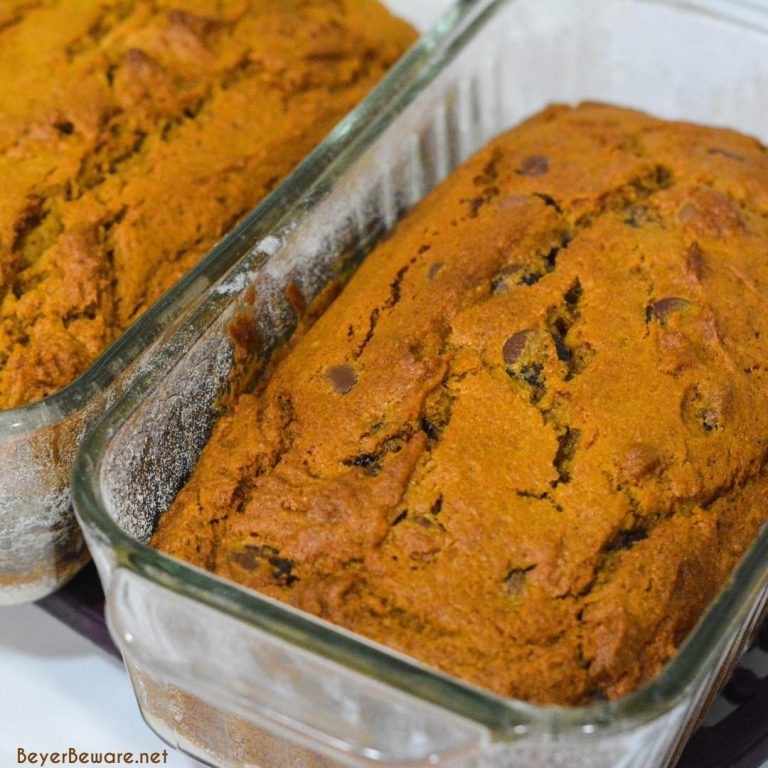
(527, 442)
(134, 134)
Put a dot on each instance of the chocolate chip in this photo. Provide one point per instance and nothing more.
(514, 346)
(522, 362)
(249, 559)
(252, 557)
(342, 377)
(533, 165)
(434, 269)
(664, 308)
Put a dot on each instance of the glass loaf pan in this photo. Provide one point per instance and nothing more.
(237, 679)
(41, 545)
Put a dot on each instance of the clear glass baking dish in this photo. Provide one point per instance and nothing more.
(41, 545)
(237, 679)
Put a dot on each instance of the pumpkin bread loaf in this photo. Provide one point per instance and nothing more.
(134, 134)
(527, 443)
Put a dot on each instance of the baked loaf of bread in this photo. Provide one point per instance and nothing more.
(527, 442)
(134, 134)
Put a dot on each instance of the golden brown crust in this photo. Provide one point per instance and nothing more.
(547, 393)
(133, 134)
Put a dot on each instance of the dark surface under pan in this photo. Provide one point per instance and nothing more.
(735, 735)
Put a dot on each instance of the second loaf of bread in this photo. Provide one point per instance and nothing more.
(134, 134)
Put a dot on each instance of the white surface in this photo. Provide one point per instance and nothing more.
(58, 690)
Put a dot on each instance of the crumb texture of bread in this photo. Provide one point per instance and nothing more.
(134, 134)
(527, 443)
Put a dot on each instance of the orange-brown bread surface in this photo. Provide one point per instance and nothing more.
(134, 134)
(527, 442)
